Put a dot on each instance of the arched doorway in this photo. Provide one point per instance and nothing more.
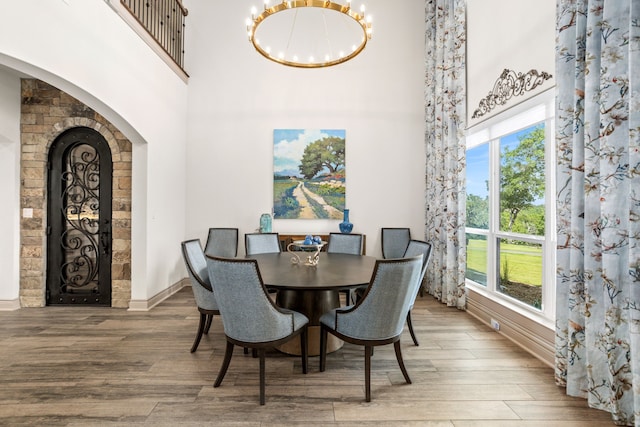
(79, 227)
(47, 113)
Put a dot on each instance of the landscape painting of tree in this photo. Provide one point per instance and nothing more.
(308, 173)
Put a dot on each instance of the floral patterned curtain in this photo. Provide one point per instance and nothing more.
(445, 149)
(598, 188)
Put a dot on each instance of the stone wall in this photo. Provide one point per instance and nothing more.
(46, 112)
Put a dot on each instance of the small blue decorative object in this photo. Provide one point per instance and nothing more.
(345, 225)
(265, 223)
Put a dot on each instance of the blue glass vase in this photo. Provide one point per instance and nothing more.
(265, 223)
(345, 225)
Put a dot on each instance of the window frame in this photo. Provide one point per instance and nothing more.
(538, 109)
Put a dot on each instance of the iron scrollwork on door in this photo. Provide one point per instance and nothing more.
(79, 244)
(81, 205)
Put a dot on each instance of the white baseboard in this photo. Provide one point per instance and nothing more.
(146, 305)
(535, 338)
(10, 305)
(134, 305)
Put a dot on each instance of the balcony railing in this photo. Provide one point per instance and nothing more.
(164, 20)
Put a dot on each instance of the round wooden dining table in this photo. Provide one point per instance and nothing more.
(313, 290)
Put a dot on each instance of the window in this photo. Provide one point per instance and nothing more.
(510, 228)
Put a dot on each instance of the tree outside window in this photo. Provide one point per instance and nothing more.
(506, 214)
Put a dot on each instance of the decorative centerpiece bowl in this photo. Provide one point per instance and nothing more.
(313, 247)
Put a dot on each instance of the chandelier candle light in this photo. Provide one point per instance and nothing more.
(309, 33)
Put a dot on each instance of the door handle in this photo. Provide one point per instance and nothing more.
(104, 242)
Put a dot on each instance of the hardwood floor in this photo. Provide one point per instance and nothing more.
(79, 366)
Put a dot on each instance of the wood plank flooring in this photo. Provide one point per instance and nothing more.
(80, 366)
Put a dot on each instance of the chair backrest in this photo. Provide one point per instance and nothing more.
(345, 243)
(196, 264)
(261, 243)
(222, 242)
(382, 311)
(419, 247)
(395, 241)
(248, 314)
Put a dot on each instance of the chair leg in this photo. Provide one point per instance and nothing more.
(410, 325)
(201, 325)
(225, 364)
(261, 353)
(396, 345)
(367, 372)
(304, 346)
(208, 325)
(323, 347)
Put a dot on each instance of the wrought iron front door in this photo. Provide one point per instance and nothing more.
(79, 219)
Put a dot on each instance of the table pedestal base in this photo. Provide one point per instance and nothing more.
(312, 304)
(293, 347)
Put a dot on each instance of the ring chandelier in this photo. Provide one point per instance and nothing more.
(295, 28)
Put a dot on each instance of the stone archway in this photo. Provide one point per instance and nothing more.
(46, 112)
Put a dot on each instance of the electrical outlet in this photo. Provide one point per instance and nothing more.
(495, 325)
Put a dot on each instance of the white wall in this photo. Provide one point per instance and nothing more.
(519, 36)
(222, 131)
(85, 49)
(10, 189)
(237, 98)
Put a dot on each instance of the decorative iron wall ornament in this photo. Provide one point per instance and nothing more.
(508, 85)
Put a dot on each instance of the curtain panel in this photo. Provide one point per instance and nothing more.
(445, 110)
(598, 210)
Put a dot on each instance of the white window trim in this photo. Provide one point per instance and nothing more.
(540, 108)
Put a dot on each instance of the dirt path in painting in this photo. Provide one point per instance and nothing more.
(306, 211)
(303, 194)
(333, 212)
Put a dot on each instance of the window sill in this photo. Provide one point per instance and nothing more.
(530, 313)
(531, 331)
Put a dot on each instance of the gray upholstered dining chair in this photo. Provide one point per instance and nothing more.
(261, 243)
(394, 241)
(417, 247)
(222, 242)
(346, 244)
(378, 318)
(249, 317)
(196, 264)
